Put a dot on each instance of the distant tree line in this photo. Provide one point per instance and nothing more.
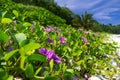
(115, 29)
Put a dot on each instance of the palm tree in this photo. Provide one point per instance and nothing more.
(87, 20)
(76, 20)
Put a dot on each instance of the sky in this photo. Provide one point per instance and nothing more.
(104, 11)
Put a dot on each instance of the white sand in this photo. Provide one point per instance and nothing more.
(116, 38)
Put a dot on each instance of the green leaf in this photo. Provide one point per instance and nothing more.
(29, 71)
(0, 15)
(1, 56)
(38, 70)
(20, 37)
(51, 65)
(3, 37)
(15, 13)
(10, 78)
(70, 70)
(3, 14)
(29, 47)
(39, 78)
(37, 57)
(9, 55)
(51, 78)
(27, 24)
(53, 37)
(24, 42)
(22, 62)
(64, 67)
(77, 53)
(3, 74)
(81, 63)
(6, 20)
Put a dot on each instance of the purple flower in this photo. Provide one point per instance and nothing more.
(80, 29)
(62, 39)
(48, 29)
(86, 32)
(86, 76)
(57, 59)
(15, 22)
(50, 54)
(9, 42)
(43, 51)
(59, 30)
(10, 49)
(62, 42)
(32, 27)
(85, 40)
(50, 40)
(99, 34)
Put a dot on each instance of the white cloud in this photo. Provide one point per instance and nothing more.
(101, 15)
(106, 4)
(106, 13)
(60, 2)
(78, 4)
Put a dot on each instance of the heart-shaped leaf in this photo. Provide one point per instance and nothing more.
(9, 55)
(6, 20)
(15, 13)
(20, 37)
(29, 71)
(3, 37)
(37, 57)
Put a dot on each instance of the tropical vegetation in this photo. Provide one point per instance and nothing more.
(36, 44)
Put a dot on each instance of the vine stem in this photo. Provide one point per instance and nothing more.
(12, 35)
(2, 47)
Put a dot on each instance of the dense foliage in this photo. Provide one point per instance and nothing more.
(33, 47)
(50, 5)
(30, 13)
